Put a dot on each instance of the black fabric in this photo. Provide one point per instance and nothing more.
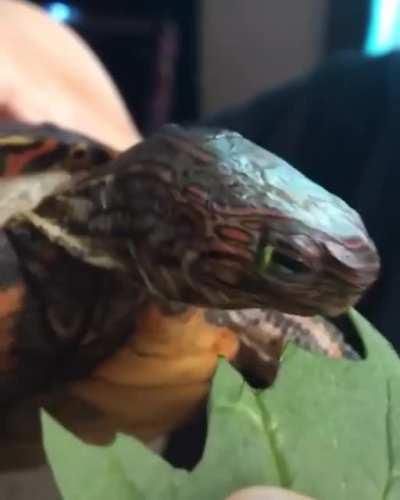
(341, 127)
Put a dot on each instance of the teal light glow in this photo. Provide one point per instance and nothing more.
(384, 30)
(59, 11)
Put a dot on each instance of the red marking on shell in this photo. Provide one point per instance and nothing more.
(16, 162)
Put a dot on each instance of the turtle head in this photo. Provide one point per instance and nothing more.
(245, 229)
(210, 218)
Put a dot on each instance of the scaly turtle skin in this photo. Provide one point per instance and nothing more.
(209, 218)
(188, 216)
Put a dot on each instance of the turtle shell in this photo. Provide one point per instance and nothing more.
(27, 149)
(52, 306)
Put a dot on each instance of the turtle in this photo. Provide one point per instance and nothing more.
(191, 219)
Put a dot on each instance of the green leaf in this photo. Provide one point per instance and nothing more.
(123, 470)
(238, 451)
(327, 428)
(334, 421)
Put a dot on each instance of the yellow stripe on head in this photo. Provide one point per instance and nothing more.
(266, 257)
(16, 140)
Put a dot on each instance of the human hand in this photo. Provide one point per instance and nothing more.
(48, 73)
(266, 493)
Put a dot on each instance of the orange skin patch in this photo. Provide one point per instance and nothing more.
(11, 299)
(10, 304)
(7, 360)
(143, 412)
(169, 350)
(16, 162)
(161, 377)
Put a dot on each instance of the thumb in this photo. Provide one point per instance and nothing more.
(266, 493)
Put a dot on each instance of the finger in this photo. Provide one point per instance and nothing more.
(266, 493)
(50, 68)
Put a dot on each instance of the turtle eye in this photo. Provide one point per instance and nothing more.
(79, 152)
(84, 154)
(274, 259)
(288, 264)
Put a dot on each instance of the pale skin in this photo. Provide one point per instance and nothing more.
(263, 493)
(48, 73)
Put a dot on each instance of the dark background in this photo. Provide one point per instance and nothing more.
(158, 55)
(150, 48)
